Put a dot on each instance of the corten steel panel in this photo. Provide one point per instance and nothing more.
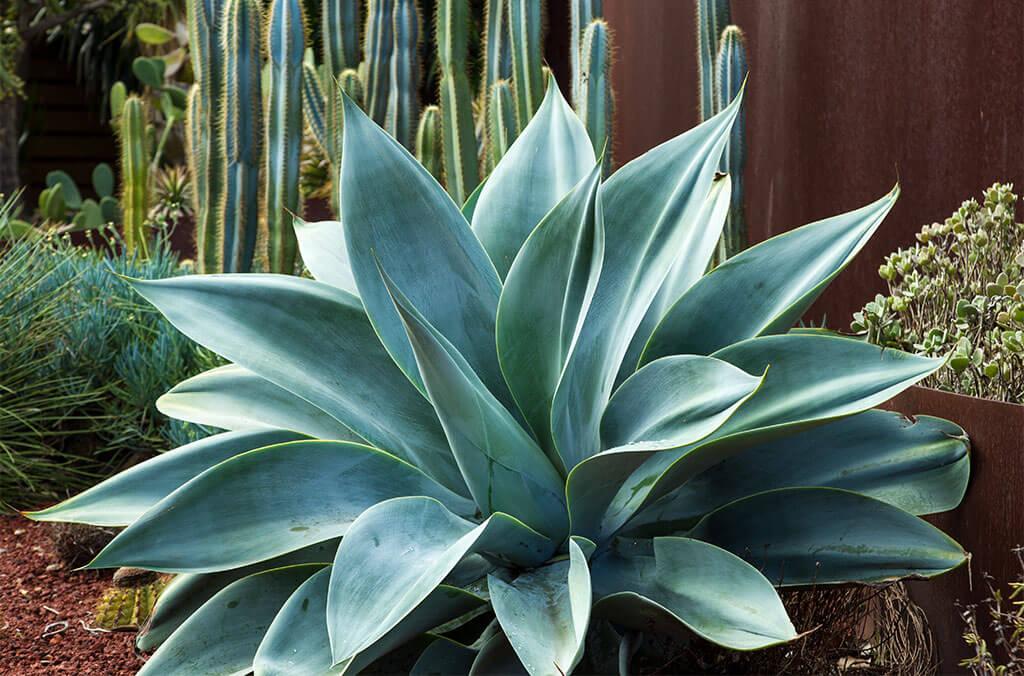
(988, 523)
(844, 97)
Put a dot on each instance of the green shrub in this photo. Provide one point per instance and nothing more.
(960, 290)
(82, 362)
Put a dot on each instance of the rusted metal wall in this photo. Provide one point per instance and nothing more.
(844, 97)
(989, 522)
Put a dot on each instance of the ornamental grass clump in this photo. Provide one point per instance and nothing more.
(519, 417)
(959, 291)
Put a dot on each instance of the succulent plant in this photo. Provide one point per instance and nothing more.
(135, 159)
(959, 291)
(463, 407)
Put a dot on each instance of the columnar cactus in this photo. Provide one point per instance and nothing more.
(428, 142)
(712, 18)
(459, 135)
(205, 154)
(286, 44)
(730, 72)
(404, 95)
(240, 135)
(378, 42)
(497, 45)
(594, 103)
(525, 24)
(581, 13)
(339, 30)
(501, 121)
(134, 174)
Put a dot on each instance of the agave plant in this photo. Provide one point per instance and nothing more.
(485, 428)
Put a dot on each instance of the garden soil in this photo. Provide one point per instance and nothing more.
(46, 611)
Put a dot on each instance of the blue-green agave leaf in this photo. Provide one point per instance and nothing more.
(443, 658)
(681, 581)
(504, 468)
(315, 341)
(546, 294)
(396, 213)
(766, 288)
(125, 497)
(323, 249)
(809, 380)
(223, 635)
(690, 266)
(265, 503)
(397, 552)
(650, 208)
(186, 593)
(551, 156)
(497, 657)
(645, 417)
(297, 643)
(920, 465)
(812, 536)
(234, 398)
(545, 613)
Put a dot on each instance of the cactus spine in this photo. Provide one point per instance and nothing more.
(525, 27)
(461, 168)
(377, 47)
(205, 18)
(712, 18)
(404, 94)
(134, 174)
(286, 44)
(581, 13)
(501, 121)
(730, 71)
(240, 134)
(428, 141)
(595, 103)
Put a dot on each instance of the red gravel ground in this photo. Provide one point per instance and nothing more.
(39, 596)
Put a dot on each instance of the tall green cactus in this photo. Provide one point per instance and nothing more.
(378, 43)
(286, 38)
(134, 174)
(501, 121)
(352, 85)
(581, 13)
(240, 134)
(525, 28)
(314, 106)
(497, 45)
(461, 169)
(595, 103)
(339, 31)
(205, 154)
(730, 71)
(404, 89)
(428, 141)
(712, 18)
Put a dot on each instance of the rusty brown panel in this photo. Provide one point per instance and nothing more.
(988, 523)
(844, 96)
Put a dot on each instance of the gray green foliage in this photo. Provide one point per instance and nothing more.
(595, 103)
(83, 365)
(959, 290)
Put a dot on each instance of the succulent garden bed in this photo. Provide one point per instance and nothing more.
(47, 611)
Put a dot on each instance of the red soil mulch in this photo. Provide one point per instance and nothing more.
(38, 595)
